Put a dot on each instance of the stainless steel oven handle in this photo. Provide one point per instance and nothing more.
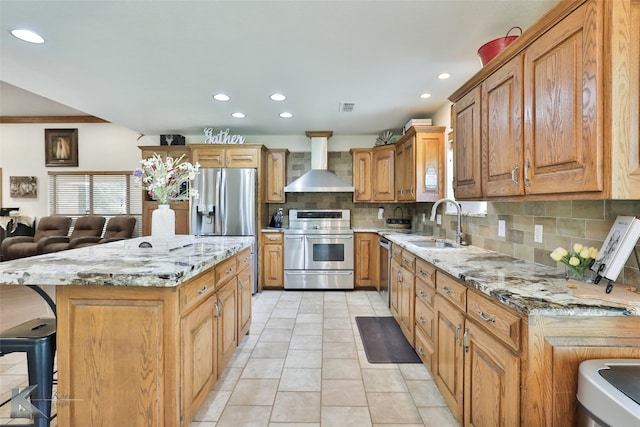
(328, 236)
(318, 273)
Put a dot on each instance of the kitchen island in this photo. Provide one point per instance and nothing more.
(502, 337)
(143, 333)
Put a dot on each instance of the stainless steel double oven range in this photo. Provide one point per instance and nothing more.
(318, 250)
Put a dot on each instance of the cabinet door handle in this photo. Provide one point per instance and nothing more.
(421, 320)
(466, 340)
(514, 178)
(421, 351)
(446, 290)
(217, 309)
(375, 193)
(411, 189)
(526, 173)
(458, 341)
(486, 319)
(203, 290)
(221, 305)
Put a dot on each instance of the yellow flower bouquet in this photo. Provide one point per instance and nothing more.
(578, 260)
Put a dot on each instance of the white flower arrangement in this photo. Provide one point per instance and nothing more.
(578, 260)
(163, 179)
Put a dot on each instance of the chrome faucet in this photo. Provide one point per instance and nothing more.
(458, 209)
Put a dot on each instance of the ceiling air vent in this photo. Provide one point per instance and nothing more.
(346, 107)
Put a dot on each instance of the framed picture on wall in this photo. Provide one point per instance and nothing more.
(61, 147)
(23, 186)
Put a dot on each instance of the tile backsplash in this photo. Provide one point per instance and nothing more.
(564, 222)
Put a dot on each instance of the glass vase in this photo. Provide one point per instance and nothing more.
(587, 276)
(163, 223)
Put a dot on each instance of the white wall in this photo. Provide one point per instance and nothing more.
(108, 147)
(101, 147)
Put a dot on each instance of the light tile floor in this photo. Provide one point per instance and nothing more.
(303, 364)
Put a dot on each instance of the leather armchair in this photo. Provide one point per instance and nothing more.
(24, 246)
(85, 226)
(118, 228)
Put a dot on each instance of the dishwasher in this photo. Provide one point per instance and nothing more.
(385, 268)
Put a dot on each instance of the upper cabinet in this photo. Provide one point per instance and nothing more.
(556, 114)
(276, 175)
(467, 154)
(373, 174)
(362, 161)
(420, 165)
(226, 156)
(411, 170)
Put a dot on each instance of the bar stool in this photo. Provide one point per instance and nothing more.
(37, 338)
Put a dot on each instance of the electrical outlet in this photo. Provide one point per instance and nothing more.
(537, 233)
(502, 232)
(439, 219)
(380, 213)
(424, 217)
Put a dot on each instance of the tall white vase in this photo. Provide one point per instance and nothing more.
(163, 222)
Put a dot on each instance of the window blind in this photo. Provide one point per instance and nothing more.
(108, 194)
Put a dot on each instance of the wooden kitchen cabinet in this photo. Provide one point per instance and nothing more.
(401, 290)
(362, 174)
(491, 381)
(245, 290)
(226, 155)
(383, 174)
(424, 312)
(563, 81)
(373, 174)
(200, 364)
(227, 322)
(467, 153)
(276, 175)
(574, 133)
(173, 343)
(405, 169)
(502, 144)
(273, 260)
(367, 257)
(394, 289)
(420, 165)
(448, 373)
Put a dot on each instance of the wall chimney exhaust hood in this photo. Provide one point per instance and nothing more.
(318, 179)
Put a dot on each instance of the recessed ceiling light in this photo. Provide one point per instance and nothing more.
(238, 115)
(425, 95)
(286, 115)
(444, 76)
(28, 36)
(221, 97)
(278, 97)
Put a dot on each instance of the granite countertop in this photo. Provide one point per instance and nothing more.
(527, 287)
(122, 263)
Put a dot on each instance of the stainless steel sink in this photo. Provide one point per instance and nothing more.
(432, 244)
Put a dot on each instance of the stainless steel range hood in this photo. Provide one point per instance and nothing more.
(318, 179)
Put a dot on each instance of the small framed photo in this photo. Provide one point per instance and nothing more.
(61, 147)
(23, 186)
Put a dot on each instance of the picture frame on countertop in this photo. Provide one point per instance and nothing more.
(61, 147)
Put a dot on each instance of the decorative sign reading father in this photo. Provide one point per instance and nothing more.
(221, 137)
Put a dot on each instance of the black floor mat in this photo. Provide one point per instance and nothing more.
(384, 342)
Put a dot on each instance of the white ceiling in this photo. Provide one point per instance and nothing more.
(152, 66)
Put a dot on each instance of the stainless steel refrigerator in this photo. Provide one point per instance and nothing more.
(226, 206)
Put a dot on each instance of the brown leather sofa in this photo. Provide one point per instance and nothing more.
(85, 226)
(118, 228)
(24, 246)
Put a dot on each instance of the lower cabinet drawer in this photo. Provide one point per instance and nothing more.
(196, 290)
(501, 323)
(424, 348)
(452, 290)
(425, 319)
